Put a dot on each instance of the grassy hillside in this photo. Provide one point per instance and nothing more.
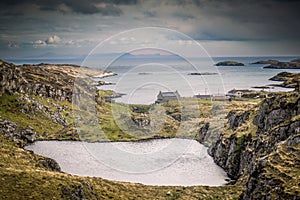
(256, 142)
(25, 176)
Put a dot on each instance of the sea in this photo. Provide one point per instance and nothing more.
(140, 78)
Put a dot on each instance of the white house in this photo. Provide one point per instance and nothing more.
(166, 96)
(236, 93)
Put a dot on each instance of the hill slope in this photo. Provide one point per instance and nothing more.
(258, 147)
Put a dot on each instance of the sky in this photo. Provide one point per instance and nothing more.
(30, 28)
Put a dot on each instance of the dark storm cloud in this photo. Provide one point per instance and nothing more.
(249, 21)
(183, 16)
(123, 2)
(244, 20)
(12, 14)
(78, 6)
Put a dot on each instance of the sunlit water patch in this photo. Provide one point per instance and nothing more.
(154, 162)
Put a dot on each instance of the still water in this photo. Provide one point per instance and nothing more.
(154, 162)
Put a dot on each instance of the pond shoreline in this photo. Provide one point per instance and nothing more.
(183, 159)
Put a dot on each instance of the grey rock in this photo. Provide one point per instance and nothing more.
(248, 155)
(49, 164)
(21, 137)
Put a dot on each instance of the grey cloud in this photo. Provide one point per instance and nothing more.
(15, 2)
(183, 16)
(150, 14)
(123, 2)
(12, 14)
(248, 20)
(77, 6)
(178, 2)
(110, 10)
(215, 20)
(85, 7)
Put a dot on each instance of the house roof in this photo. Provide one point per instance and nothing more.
(170, 94)
(203, 96)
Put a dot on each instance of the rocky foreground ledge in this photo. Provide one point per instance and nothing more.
(260, 146)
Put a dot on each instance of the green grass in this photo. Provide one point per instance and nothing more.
(67, 113)
(115, 121)
(169, 119)
(10, 109)
(23, 177)
(283, 165)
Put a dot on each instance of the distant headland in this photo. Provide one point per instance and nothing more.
(275, 64)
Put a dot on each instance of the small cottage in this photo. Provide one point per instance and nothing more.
(236, 93)
(166, 96)
(203, 96)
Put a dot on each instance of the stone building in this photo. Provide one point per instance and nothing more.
(166, 96)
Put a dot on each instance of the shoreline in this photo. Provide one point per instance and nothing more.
(112, 141)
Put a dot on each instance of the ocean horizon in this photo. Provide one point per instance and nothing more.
(141, 78)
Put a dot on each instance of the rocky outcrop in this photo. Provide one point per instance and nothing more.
(29, 105)
(275, 176)
(49, 163)
(282, 76)
(276, 110)
(46, 80)
(255, 148)
(142, 120)
(79, 191)
(202, 135)
(275, 64)
(226, 151)
(271, 62)
(235, 119)
(20, 136)
(37, 80)
(229, 63)
(75, 193)
(231, 154)
(284, 65)
(290, 80)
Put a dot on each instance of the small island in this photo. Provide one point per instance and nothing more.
(202, 74)
(229, 63)
(265, 62)
(275, 64)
